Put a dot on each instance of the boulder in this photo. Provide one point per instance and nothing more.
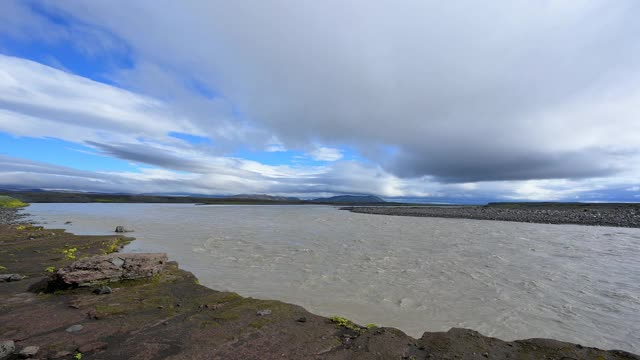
(10, 277)
(114, 267)
(122, 229)
(7, 347)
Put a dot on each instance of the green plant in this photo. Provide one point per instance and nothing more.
(370, 326)
(8, 202)
(70, 253)
(50, 269)
(2, 267)
(77, 356)
(345, 323)
(112, 247)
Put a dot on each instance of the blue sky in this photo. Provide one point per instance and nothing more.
(217, 98)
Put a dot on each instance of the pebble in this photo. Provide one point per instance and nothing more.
(74, 328)
(263, 312)
(29, 351)
(103, 290)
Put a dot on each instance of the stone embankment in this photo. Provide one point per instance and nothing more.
(165, 314)
(620, 215)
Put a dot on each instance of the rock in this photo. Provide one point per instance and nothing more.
(10, 277)
(74, 328)
(103, 290)
(122, 229)
(67, 222)
(302, 319)
(263, 312)
(117, 261)
(114, 267)
(29, 351)
(7, 347)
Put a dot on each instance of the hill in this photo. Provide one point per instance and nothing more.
(351, 199)
(263, 197)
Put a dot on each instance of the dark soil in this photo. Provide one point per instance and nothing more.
(171, 316)
(621, 215)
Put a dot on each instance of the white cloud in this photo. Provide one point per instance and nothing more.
(38, 101)
(326, 154)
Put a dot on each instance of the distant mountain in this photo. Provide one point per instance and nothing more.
(350, 199)
(263, 197)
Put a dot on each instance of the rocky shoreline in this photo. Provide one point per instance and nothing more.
(168, 315)
(618, 215)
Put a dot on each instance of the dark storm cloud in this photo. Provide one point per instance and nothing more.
(468, 165)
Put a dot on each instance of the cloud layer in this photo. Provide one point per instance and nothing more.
(514, 100)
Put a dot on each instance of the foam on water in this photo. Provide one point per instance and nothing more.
(509, 280)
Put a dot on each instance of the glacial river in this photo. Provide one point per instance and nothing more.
(504, 279)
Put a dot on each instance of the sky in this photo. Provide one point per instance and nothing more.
(457, 101)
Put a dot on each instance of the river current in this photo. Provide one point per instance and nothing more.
(504, 279)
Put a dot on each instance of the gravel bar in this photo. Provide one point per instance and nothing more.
(620, 215)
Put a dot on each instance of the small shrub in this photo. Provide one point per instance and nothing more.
(50, 269)
(77, 356)
(70, 254)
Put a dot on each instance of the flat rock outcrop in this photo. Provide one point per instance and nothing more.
(111, 268)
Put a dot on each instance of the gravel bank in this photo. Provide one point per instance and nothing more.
(10, 216)
(622, 215)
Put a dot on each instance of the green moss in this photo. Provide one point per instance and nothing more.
(8, 202)
(50, 269)
(70, 253)
(345, 323)
(29, 228)
(258, 324)
(114, 245)
(107, 310)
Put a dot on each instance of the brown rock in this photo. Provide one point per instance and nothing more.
(114, 267)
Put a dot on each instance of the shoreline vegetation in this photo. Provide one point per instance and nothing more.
(7, 202)
(170, 315)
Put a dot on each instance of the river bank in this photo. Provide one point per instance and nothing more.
(172, 316)
(618, 215)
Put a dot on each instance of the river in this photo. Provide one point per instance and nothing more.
(504, 279)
